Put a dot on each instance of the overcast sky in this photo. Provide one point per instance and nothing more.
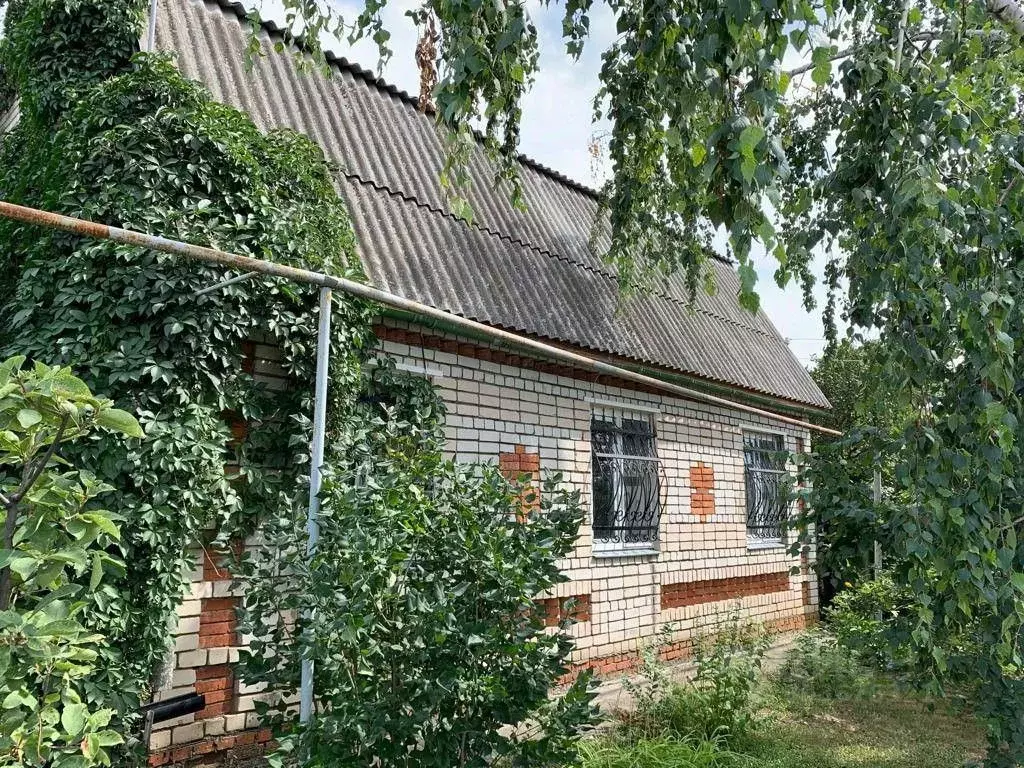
(557, 128)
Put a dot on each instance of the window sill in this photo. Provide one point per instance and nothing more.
(760, 544)
(611, 554)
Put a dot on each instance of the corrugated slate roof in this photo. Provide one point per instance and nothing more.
(531, 271)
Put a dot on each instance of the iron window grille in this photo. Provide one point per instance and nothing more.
(767, 484)
(626, 481)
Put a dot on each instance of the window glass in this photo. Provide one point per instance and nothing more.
(767, 485)
(626, 487)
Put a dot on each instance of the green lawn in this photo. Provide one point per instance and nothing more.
(889, 730)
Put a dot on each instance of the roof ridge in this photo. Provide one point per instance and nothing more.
(401, 94)
(511, 240)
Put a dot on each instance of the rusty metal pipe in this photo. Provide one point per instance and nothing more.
(249, 264)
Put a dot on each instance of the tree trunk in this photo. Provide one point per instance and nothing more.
(1010, 12)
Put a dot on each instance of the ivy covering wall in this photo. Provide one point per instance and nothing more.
(116, 136)
(134, 143)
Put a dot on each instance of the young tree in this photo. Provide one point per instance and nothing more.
(55, 538)
(850, 376)
(847, 522)
(418, 605)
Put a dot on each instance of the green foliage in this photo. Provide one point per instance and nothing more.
(147, 149)
(654, 752)
(417, 606)
(921, 205)
(872, 620)
(850, 376)
(838, 482)
(839, 511)
(45, 70)
(55, 538)
(717, 704)
(728, 667)
(820, 666)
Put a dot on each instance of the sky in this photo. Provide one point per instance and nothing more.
(557, 129)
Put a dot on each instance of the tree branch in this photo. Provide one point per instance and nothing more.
(901, 34)
(33, 474)
(1010, 12)
(922, 37)
(11, 504)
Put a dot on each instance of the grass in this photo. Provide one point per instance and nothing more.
(888, 730)
(619, 751)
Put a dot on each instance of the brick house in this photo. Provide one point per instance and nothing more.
(685, 499)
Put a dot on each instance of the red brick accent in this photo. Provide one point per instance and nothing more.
(514, 466)
(702, 500)
(222, 750)
(480, 352)
(699, 592)
(556, 609)
(216, 562)
(217, 684)
(619, 663)
(218, 625)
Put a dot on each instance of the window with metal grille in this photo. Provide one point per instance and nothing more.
(767, 483)
(626, 490)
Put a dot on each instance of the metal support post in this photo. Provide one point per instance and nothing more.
(323, 353)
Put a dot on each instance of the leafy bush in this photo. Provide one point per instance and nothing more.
(418, 607)
(717, 703)
(53, 536)
(872, 620)
(652, 681)
(728, 668)
(818, 665)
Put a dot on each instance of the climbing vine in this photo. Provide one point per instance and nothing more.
(150, 150)
(124, 139)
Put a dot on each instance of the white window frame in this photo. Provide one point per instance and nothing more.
(615, 412)
(759, 542)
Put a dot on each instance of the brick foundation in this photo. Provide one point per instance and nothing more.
(235, 749)
(714, 590)
(622, 663)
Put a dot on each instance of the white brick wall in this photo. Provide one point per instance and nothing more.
(492, 408)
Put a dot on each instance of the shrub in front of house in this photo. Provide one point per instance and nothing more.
(717, 704)
(418, 606)
(820, 666)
